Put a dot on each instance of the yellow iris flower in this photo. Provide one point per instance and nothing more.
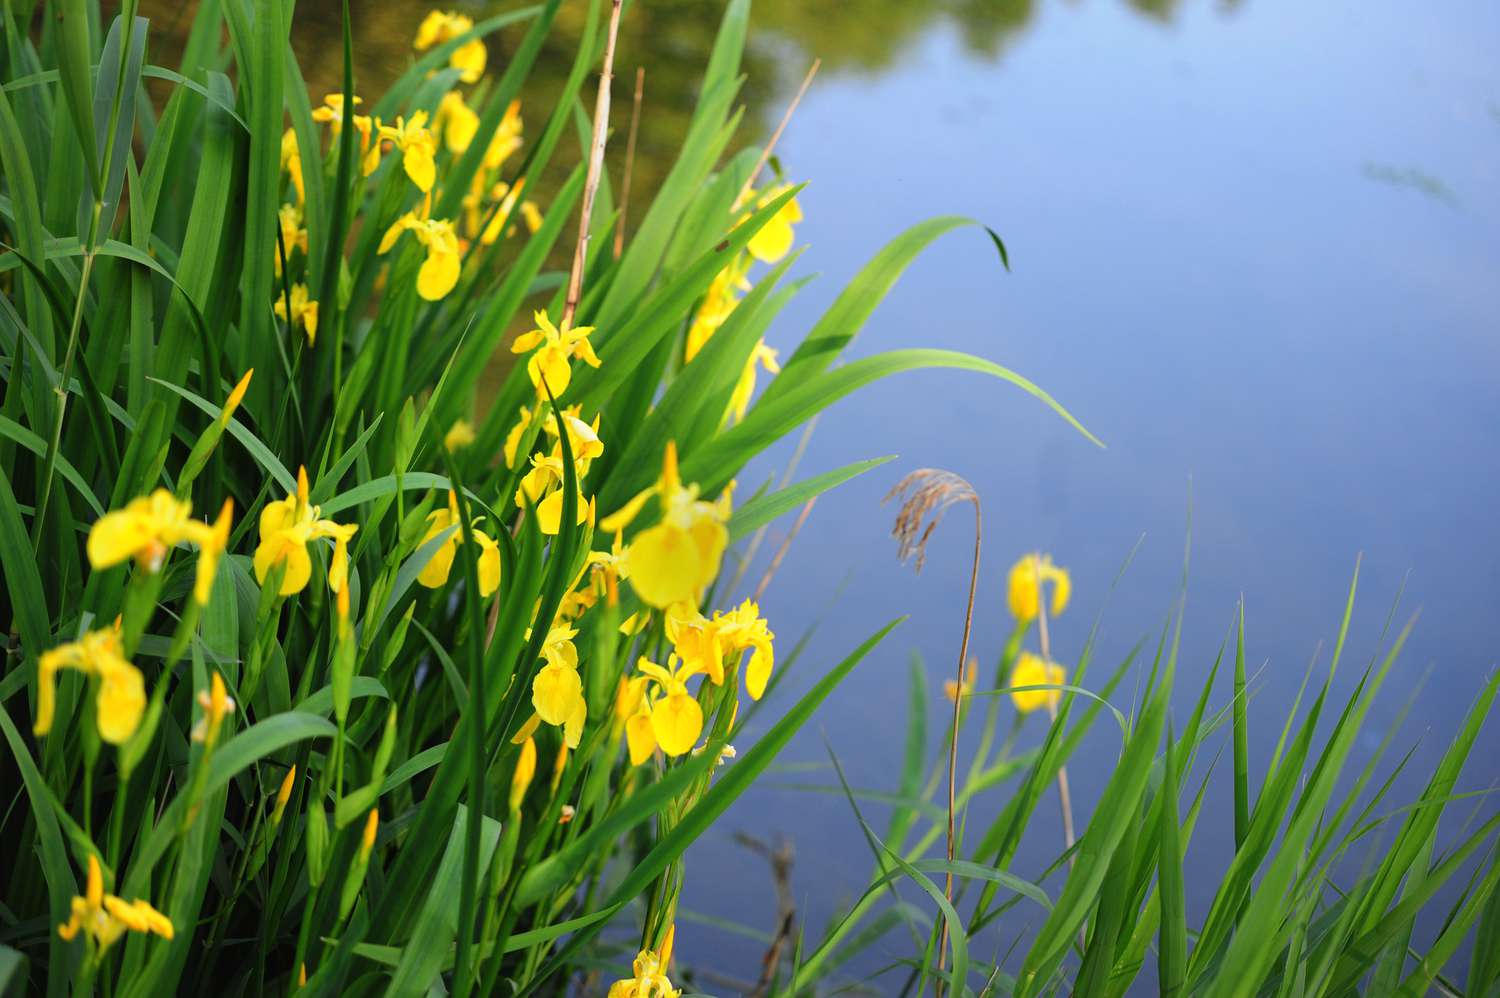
(1030, 670)
(293, 235)
(1027, 578)
(774, 240)
(440, 271)
(557, 690)
(459, 435)
(457, 121)
(149, 526)
(762, 356)
(304, 311)
(675, 560)
(440, 26)
(291, 163)
(707, 644)
(286, 528)
(649, 973)
(332, 112)
(671, 714)
(718, 302)
(104, 918)
(507, 138)
(417, 146)
(120, 699)
(525, 772)
(554, 349)
(435, 573)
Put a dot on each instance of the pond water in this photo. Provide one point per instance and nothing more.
(1255, 248)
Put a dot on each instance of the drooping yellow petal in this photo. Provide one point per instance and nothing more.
(573, 727)
(524, 773)
(489, 564)
(122, 701)
(676, 720)
(419, 165)
(438, 275)
(758, 672)
(665, 565)
(118, 536)
(555, 693)
(1030, 670)
(640, 738)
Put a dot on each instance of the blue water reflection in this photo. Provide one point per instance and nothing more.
(1258, 252)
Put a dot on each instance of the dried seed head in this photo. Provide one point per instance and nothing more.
(925, 496)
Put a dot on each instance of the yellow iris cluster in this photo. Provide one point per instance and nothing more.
(104, 918)
(416, 139)
(770, 244)
(542, 486)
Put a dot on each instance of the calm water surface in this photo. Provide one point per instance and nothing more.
(1255, 248)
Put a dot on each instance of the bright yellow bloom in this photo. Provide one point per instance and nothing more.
(1027, 577)
(212, 543)
(104, 918)
(554, 349)
(706, 645)
(121, 694)
(286, 528)
(435, 573)
(332, 112)
(439, 273)
(542, 485)
(774, 240)
(676, 717)
(417, 146)
(557, 690)
(459, 436)
(513, 438)
(303, 310)
(291, 163)
(293, 235)
(149, 526)
(1030, 670)
(507, 138)
(216, 704)
(469, 58)
(457, 120)
(525, 772)
(650, 974)
(675, 560)
(763, 356)
(718, 302)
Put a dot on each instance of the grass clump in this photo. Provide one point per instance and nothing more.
(333, 668)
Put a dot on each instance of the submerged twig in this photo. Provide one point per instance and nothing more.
(635, 124)
(596, 165)
(926, 495)
(780, 859)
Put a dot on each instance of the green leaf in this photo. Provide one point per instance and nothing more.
(437, 923)
(763, 509)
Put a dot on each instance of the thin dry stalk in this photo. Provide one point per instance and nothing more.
(596, 166)
(635, 124)
(780, 859)
(926, 495)
(765, 580)
(765, 154)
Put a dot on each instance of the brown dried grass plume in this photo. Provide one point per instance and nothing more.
(925, 496)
